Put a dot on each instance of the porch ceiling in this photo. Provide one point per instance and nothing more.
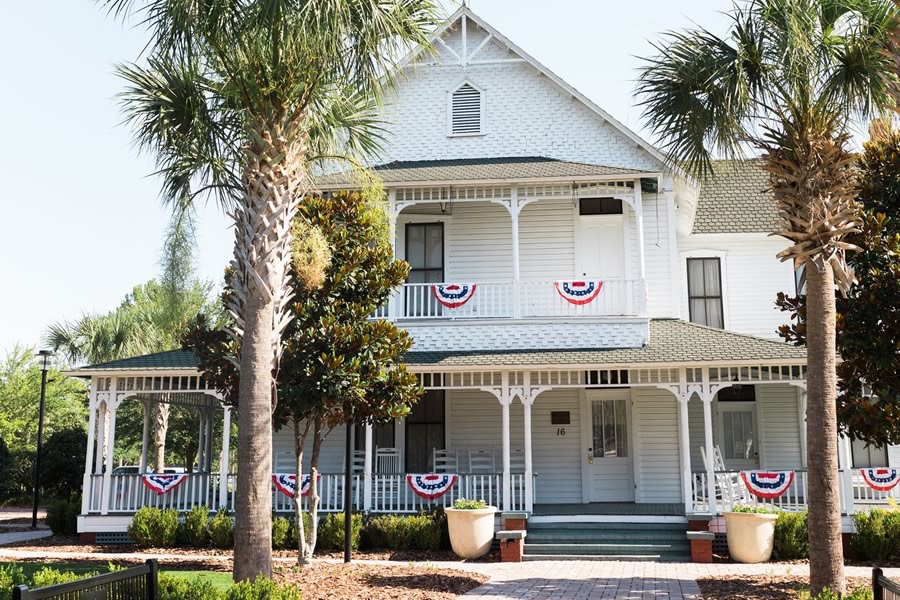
(500, 169)
(672, 341)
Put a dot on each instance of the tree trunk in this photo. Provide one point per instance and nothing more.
(826, 555)
(160, 428)
(275, 179)
(314, 487)
(253, 510)
(299, 443)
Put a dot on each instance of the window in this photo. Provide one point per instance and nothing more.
(465, 116)
(425, 252)
(800, 280)
(609, 428)
(599, 206)
(867, 457)
(705, 291)
(425, 432)
(737, 393)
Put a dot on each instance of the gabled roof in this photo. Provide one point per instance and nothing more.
(736, 200)
(558, 81)
(672, 341)
(172, 360)
(480, 169)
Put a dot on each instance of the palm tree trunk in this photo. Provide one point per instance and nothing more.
(253, 510)
(826, 555)
(160, 429)
(274, 179)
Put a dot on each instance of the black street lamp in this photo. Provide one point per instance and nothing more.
(44, 360)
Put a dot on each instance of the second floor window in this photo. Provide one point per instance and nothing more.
(705, 291)
(425, 252)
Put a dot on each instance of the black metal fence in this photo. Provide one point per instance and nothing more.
(884, 588)
(136, 583)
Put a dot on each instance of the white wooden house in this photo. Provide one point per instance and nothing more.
(503, 177)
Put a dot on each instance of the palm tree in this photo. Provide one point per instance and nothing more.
(236, 100)
(788, 80)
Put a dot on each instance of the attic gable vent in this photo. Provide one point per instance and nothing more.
(466, 111)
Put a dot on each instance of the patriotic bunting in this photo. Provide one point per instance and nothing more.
(286, 483)
(432, 485)
(162, 483)
(454, 295)
(881, 479)
(579, 292)
(768, 484)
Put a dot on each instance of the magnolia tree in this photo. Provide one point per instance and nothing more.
(339, 365)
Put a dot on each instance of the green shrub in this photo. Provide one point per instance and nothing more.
(196, 527)
(331, 532)
(11, 575)
(281, 533)
(752, 508)
(154, 528)
(860, 593)
(463, 504)
(62, 516)
(877, 535)
(221, 530)
(791, 536)
(262, 589)
(49, 576)
(179, 588)
(404, 532)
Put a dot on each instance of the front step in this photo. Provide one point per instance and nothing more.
(573, 540)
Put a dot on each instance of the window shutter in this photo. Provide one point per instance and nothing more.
(466, 116)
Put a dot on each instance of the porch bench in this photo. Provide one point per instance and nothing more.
(701, 545)
(512, 544)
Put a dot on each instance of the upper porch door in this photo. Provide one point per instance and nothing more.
(601, 239)
(610, 475)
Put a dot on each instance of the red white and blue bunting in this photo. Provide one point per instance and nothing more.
(579, 292)
(431, 486)
(162, 483)
(768, 484)
(454, 295)
(881, 479)
(286, 483)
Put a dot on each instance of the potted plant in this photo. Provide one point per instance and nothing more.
(471, 525)
(751, 533)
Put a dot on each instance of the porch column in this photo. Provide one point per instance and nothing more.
(367, 469)
(514, 210)
(87, 492)
(145, 439)
(392, 232)
(845, 461)
(684, 445)
(110, 446)
(505, 399)
(642, 266)
(801, 409)
(224, 461)
(706, 396)
(528, 396)
(102, 425)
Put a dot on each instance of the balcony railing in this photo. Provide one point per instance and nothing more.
(515, 300)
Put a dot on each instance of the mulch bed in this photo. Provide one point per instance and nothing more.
(58, 543)
(376, 582)
(762, 587)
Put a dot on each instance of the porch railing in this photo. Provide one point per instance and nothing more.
(511, 300)
(863, 494)
(390, 493)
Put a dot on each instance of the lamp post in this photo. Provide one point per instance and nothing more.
(44, 359)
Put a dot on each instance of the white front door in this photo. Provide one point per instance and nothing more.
(609, 463)
(738, 439)
(601, 247)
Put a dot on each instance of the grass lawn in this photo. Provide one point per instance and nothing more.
(220, 579)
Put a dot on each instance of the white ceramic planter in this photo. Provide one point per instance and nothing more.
(751, 536)
(471, 531)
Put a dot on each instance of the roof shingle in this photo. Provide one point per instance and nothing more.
(736, 200)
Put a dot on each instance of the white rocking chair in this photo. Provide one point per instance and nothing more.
(730, 490)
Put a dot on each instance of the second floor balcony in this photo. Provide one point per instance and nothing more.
(538, 299)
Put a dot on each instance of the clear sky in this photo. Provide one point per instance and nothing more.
(80, 218)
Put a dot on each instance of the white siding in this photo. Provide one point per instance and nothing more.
(557, 458)
(331, 459)
(480, 240)
(779, 423)
(658, 469)
(751, 277)
(658, 242)
(547, 240)
(894, 456)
